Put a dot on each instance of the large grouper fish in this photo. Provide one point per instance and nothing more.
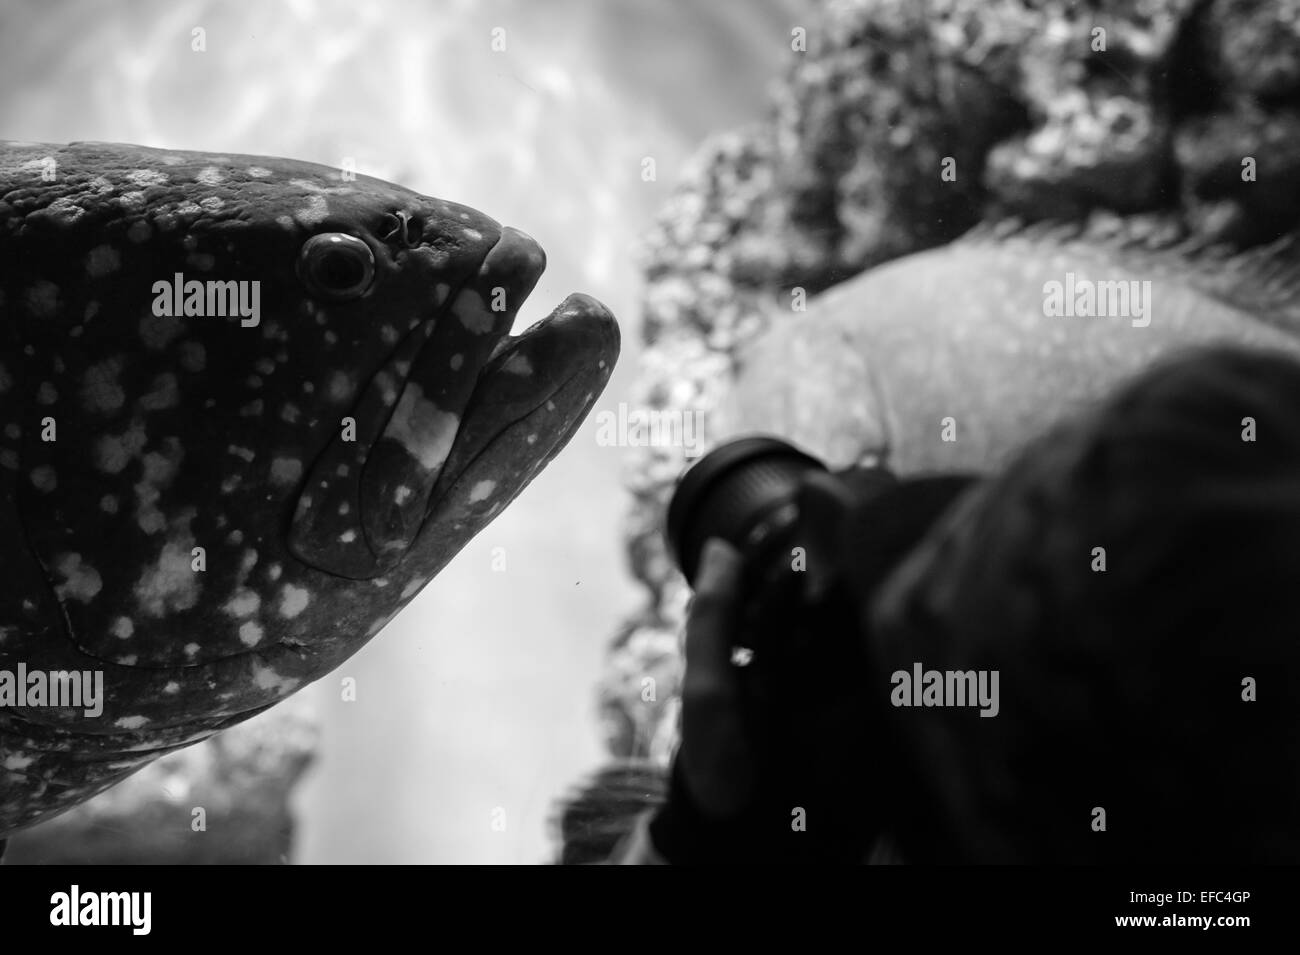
(249, 407)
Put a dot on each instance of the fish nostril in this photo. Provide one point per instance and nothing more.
(393, 227)
(403, 228)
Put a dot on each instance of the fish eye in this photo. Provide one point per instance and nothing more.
(336, 266)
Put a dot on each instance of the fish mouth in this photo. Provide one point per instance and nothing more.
(460, 418)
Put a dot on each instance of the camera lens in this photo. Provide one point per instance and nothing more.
(731, 492)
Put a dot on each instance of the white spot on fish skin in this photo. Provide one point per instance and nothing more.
(482, 491)
(239, 452)
(139, 231)
(285, 471)
(456, 361)
(273, 572)
(194, 357)
(252, 410)
(191, 649)
(157, 331)
(151, 521)
(230, 483)
(250, 633)
(344, 507)
(265, 678)
(100, 390)
(43, 299)
(44, 479)
(123, 628)
(165, 394)
(531, 439)
(203, 261)
(112, 452)
(412, 585)
(172, 688)
(342, 470)
(285, 222)
(249, 558)
(314, 212)
(347, 537)
(518, 364)
(108, 504)
(423, 429)
(289, 413)
(17, 762)
(210, 176)
(265, 366)
(340, 386)
(158, 471)
(235, 537)
(132, 722)
(102, 260)
(258, 172)
(293, 601)
(550, 406)
(401, 495)
(169, 583)
(79, 581)
(243, 604)
(47, 394)
(474, 235)
(388, 334)
(473, 312)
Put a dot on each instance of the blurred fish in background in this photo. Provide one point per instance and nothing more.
(475, 708)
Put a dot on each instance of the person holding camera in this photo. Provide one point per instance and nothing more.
(1132, 579)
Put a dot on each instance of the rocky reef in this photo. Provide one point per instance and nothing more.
(901, 126)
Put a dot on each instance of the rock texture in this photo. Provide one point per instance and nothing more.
(1173, 119)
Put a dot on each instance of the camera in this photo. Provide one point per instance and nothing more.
(813, 542)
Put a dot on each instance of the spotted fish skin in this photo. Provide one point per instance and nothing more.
(215, 511)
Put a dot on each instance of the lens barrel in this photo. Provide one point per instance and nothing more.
(729, 492)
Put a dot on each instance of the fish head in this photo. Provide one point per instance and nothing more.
(252, 481)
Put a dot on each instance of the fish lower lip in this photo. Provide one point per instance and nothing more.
(406, 461)
(529, 399)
